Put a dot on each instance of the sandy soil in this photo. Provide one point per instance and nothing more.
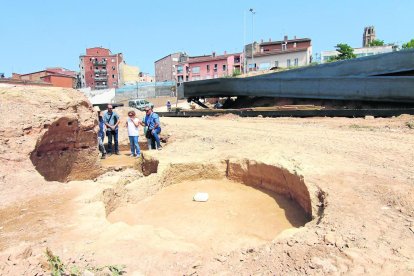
(362, 213)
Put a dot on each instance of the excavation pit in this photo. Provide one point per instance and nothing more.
(238, 213)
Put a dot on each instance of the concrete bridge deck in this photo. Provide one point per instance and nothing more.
(386, 78)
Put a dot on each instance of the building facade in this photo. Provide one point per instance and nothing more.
(278, 54)
(128, 74)
(209, 67)
(146, 77)
(360, 52)
(99, 68)
(165, 68)
(56, 76)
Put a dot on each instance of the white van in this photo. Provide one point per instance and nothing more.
(139, 104)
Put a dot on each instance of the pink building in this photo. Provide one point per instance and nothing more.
(209, 67)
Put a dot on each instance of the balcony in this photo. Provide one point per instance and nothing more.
(96, 62)
(101, 78)
(100, 71)
(101, 86)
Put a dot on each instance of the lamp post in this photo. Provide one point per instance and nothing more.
(244, 43)
(253, 13)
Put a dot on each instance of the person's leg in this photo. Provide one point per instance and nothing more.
(131, 144)
(157, 138)
(109, 134)
(149, 142)
(116, 141)
(153, 143)
(101, 146)
(137, 149)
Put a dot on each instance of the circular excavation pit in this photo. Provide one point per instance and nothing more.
(241, 211)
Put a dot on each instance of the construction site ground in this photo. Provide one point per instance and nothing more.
(359, 174)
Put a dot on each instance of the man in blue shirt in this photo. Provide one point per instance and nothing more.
(111, 120)
(152, 122)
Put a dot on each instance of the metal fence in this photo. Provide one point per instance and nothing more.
(144, 90)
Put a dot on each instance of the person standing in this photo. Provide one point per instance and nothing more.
(101, 132)
(132, 126)
(168, 106)
(111, 120)
(101, 135)
(152, 122)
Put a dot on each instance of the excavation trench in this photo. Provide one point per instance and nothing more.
(250, 203)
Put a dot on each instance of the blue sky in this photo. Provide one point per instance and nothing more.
(39, 34)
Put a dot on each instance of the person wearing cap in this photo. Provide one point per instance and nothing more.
(111, 120)
(152, 122)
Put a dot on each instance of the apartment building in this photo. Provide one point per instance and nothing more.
(278, 54)
(165, 68)
(99, 68)
(209, 67)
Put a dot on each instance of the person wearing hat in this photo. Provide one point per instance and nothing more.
(101, 132)
(132, 126)
(152, 122)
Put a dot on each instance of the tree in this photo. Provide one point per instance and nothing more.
(376, 42)
(345, 52)
(409, 44)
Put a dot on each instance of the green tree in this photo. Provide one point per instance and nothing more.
(376, 42)
(409, 44)
(345, 52)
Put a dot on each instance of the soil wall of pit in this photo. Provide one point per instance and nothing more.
(52, 129)
(252, 173)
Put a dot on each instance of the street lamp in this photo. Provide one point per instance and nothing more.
(253, 13)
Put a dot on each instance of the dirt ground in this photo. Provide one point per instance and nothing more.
(358, 176)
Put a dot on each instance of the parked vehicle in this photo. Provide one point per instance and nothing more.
(139, 104)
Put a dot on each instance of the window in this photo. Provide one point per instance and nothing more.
(83, 76)
(196, 70)
(264, 66)
(276, 63)
(288, 63)
(113, 68)
(296, 62)
(96, 67)
(113, 76)
(284, 46)
(90, 67)
(208, 68)
(215, 67)
(113, 60)
(179, 69)
(224, 67)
